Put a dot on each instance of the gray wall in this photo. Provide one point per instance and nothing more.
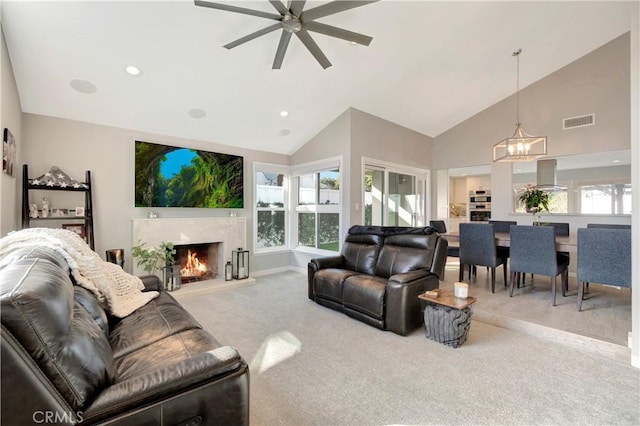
(596, 83)
(373, 137)
(11, 118)
(108, 152)
(353, 135)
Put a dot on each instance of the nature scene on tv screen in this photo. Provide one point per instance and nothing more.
(169, 176)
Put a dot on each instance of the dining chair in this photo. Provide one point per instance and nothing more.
(502, 226)
(608, 226)
(452, 250)
(604, 257)
(478, 248)
(533, 250)
(561, 230)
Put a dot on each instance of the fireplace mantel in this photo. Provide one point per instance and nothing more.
(230, 232)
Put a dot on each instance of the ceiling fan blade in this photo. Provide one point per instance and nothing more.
(282, 49)
(337, 32)
(306, 39)
(281, 8)
(297, 6)
(251, 36)
(237, 9)
(331, 8)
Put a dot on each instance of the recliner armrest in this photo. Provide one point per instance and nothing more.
(410, 276)
(328, 262)
(316, 264)
(151, 282)
(403, 306)
(165, 382)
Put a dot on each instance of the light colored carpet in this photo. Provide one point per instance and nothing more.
(311, 365)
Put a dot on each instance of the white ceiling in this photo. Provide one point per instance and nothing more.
(430, 66)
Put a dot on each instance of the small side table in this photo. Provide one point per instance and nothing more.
(447, 319)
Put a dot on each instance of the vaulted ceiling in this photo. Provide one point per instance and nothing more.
(430, 66)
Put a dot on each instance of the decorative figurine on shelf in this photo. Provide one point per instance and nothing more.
(45, 207)
(33, 211)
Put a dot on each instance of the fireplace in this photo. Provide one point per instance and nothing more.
(197, 261)
(226, 233)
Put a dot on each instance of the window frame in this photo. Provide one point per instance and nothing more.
(422, 177)
(315, 168)
(278, 169)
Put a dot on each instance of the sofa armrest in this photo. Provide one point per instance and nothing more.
(151, 282)
(328, 262)
(321, 263)
(410, 276)
(166, 382)
(404, 309)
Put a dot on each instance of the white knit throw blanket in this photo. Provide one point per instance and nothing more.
(117, 291)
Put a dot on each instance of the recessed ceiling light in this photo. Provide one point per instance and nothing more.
(134, 71)
(284, 132)
(284, 113)
(83, 86)
(197, 113)
(616, 161)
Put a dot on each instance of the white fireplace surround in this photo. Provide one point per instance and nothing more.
(229, 232)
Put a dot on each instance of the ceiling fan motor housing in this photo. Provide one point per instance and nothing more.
(291, 23)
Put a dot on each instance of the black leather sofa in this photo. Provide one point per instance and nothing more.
(379, 274)
(66, 361)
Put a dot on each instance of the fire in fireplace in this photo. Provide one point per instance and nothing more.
(197, 261)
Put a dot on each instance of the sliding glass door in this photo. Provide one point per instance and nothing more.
(393, 197)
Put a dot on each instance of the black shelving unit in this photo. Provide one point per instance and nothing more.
(87, 219)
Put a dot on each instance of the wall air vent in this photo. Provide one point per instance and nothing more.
(582, 121)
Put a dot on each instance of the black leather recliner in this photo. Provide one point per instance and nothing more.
(379, 274)
(66, 361)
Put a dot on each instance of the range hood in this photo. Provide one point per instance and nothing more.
(546, 175)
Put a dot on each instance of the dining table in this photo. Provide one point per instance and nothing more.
(503, 239)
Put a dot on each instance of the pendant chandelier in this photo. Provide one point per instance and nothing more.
(520, 146)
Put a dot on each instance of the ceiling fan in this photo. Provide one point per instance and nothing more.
(292, 19)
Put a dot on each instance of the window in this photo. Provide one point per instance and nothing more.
(318, 209)
(393, 196)
(270, 209)
(558, 199)
(605, 199)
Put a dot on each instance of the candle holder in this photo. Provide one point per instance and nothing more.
(228, 271)
(240, 263)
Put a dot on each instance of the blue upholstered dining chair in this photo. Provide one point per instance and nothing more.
(502, 226)
(478, 248)
(604, 257)
(561, 228)
(608, 226)
(533, 250)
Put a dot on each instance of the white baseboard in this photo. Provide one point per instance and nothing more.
(273, 271)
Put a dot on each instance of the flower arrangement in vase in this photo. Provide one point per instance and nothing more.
(535, 200)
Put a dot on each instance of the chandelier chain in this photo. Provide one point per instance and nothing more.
(517, 55)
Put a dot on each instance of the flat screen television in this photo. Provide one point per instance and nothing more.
(171, 176)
